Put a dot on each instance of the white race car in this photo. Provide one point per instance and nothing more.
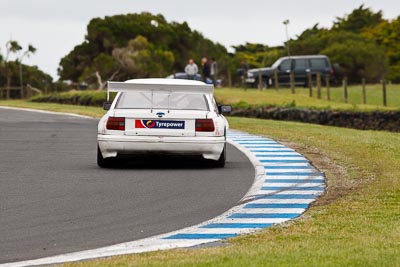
(168, 116)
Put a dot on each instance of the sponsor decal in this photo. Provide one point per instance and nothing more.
(159, 124)
(160, 114)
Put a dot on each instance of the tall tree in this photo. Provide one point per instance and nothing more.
(142, 59)
(358, 20)
(358, 57)
(12, 47)
(112, 36)
(387, 35)
(347, 43)
(103, 68)
(30, 50)
(311, 41)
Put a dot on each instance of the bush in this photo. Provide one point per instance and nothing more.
(82, 98)
(377, 120)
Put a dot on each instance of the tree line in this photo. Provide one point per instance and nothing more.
(362, 43)
(121, 47)
(130, 46)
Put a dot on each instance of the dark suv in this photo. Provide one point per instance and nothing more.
(300, 65)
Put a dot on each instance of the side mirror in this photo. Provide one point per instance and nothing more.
(107, 105)
(225, 109)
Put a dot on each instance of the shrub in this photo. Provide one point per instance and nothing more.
(82, 98)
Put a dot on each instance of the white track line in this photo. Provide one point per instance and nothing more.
(48, 112)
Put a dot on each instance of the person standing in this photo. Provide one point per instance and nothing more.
(213, 70)
(206, 69)
(191, 70)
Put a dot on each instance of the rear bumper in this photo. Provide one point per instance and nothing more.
(208, 147)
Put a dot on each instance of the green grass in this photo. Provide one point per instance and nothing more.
(356, 223)
(284, 97)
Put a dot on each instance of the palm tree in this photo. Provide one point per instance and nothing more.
(11, 47)
(31, 50)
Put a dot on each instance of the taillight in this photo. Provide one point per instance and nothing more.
(204, 125)
(332, 72)
(116, 123)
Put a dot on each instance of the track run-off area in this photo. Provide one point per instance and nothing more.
(58, 206)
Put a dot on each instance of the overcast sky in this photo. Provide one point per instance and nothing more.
(54, 27)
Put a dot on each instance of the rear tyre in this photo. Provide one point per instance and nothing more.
(104, 162)
(220, 163)
(259, 86)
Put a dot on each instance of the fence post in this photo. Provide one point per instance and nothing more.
(276, 80)
(292, 82)
(328, 87)
(345, 95)
(309, 77)
(384, 92)
(260, 86)
(318, 85)
(364, 93)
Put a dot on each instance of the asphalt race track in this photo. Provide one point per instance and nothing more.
(54, 199)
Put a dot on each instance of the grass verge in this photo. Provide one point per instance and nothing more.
(356, 223)
(270, 97)
(301, 99)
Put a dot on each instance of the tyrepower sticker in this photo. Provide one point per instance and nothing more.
(159, 124)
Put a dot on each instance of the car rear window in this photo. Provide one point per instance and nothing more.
(161, 100)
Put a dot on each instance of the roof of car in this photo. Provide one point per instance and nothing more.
(305, 56)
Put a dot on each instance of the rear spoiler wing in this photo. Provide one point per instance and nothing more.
(195, 88)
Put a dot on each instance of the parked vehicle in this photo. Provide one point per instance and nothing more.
(163, 116)
(184, 76)
(301, 66)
